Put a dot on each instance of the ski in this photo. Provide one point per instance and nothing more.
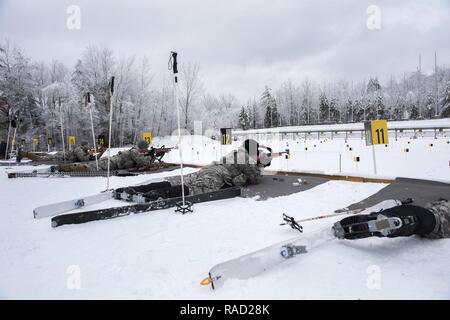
(254, 263)
(79, 174)
(50, 173)
(73, 204)
(110, 213)
(69, 205)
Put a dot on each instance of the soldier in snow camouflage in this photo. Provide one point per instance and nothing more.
(441, 212)
(239, 168)
(133, 158)
(81, 153)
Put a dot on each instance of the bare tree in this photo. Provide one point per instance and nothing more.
(228, 105)
(190, 89)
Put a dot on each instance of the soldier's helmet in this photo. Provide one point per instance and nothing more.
(252, 147)
(142, 145)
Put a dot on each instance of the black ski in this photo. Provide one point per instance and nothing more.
(110, 213)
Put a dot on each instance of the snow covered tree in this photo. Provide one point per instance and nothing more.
(445, 102)
(254, 114)
(18, 88)
(349, 110)
(373, 85)
(272, 117)
(359, 111)
(190, 88)
(306, 103)
(244, 119)
(380, 107)
(324, 108)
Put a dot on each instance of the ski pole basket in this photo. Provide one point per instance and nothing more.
(184, 207)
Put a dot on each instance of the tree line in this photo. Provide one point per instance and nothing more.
(44, 95)
(413, 96)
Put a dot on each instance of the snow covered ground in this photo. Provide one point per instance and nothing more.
(163, 255)
(412, 156)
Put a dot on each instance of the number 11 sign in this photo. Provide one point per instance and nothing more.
(376, 133)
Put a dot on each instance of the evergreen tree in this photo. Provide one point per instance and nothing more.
(349, 110)
(272, 117)
(430, 106)
(324, 108)
(334, 112)
(380, 107)
(358, 111)
(445, 102)
(414, 112)
(373, 85)
(244, 119)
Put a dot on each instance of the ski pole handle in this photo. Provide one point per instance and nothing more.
(174, 62)
(112, 85)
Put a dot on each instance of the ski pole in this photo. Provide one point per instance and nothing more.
(289, 220)
(173, 64)
(110, 129)
(88, 102)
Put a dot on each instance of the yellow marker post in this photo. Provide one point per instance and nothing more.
(101, 140)
(147, 136)
(376, 133)
(72, 140)
(379, 132)
(35, 142)
(225, 134)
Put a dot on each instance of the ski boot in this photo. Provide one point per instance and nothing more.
(137, 193)
(124, 193)
(400, 221)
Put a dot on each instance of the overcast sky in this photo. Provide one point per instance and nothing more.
(242, 45)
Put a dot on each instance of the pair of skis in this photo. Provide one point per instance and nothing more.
(54, 210)
(254, 263)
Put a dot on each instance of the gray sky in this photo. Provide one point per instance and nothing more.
(241, 45)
